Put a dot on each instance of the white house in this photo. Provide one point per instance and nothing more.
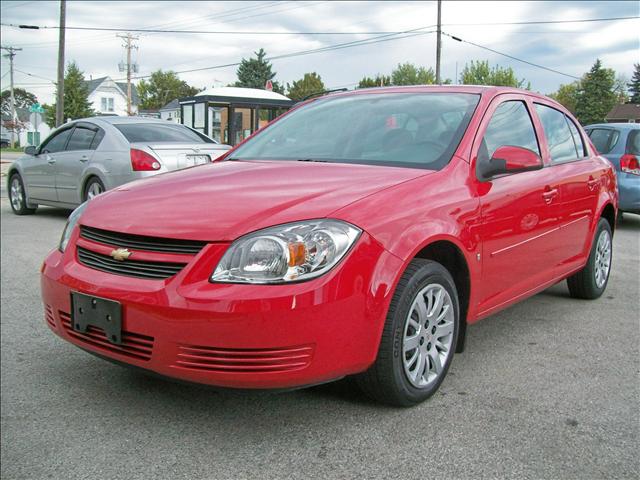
(110, 98)
(171, 111)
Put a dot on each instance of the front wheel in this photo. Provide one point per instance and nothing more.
(419, 337)
(591, 282)
(18, 197)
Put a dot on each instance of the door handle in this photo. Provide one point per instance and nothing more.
(592, 183)
(549, 194)
(50, 160)
(84, 158)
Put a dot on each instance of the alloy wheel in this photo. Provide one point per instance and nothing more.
(94, 190)
(16, 193)
(603, 258)
(428, 335)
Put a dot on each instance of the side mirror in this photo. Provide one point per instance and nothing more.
(30, 150)
(509, 159)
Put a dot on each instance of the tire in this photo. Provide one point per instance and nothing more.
(93, 188)
(18, 197)
(591, 282)
(391, 379)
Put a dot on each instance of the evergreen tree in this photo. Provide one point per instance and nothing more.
(596, 96)
(634, 85)
(161, 88)
(479, 73)
(309, 84)
(76, 97)
(255, 72)
(567, 95)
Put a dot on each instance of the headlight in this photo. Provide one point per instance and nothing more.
(286, 253)
(68, 228)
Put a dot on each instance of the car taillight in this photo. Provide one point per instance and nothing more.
(629, 164)
(143, 162)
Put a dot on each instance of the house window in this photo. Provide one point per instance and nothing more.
(106, 104)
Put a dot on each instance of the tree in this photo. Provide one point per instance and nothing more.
(23, 99)
(597, 95)
(634, 84)
(309, 84)
(76, 97)
(162, 88)
(379, 81)
(409, 74)
(479, 73)
(567, 95)
(255, 72)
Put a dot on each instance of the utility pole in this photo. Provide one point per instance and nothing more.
(128, 44)
(439, 44)
(12, 53)
(60, 89)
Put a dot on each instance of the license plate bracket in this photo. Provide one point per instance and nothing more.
(87, 310)
(198, 159)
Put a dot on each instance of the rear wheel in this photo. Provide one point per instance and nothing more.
(93, 188)
(419, 337)
(591, 282)
(18, 197)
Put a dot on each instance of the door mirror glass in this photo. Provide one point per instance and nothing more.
(30, 150)
(510, 159)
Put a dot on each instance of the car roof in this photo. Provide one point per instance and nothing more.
(475, 89)
(117, 120)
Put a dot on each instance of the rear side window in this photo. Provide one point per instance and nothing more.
(604, 139)
(510, 125)
(633, 142)
(97, 139)
(577, 138)
(562, 147)
(57, 142)
(81, 139)
(158, 132)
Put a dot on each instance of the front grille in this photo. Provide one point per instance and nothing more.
(141, 242)
(225, 360)
(131, 268)
(134, 345)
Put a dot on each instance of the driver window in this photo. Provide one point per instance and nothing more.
(57, 143)
(510, 125)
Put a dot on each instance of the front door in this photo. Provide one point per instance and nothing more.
(520, 211)
(40, 170)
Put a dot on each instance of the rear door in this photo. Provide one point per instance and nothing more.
(520, 211)
(40, 170)
(72, 162)
(581, 180)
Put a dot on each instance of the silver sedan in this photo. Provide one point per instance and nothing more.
(85, 157)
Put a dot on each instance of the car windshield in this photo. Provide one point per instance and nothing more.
(417, 130)
(158, 132)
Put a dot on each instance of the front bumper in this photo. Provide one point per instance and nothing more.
(233, 335)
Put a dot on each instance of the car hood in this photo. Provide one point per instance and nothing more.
(222, 201)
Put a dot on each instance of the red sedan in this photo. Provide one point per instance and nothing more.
(359, 234)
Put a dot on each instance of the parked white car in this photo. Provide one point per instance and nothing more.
(85, 157)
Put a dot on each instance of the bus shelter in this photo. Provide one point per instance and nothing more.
(231, 114)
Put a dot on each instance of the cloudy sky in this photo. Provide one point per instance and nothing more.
(569, 48)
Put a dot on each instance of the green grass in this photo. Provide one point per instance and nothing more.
(13, 150)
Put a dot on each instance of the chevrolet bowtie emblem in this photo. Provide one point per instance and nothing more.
(120, 254)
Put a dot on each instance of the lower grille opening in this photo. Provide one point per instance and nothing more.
(226, 360)
(134, 345)
(48, 316)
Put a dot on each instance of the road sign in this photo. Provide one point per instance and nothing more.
(36, 108)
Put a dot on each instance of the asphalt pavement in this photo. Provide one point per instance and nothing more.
(548, 389)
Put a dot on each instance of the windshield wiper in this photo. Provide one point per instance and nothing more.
(311, 160)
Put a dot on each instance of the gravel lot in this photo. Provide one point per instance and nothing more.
(546, 389)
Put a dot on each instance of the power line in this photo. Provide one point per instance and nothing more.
(260, 32)
(511, 56)
(34, 75)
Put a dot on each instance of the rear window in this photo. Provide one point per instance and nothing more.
(158, 132)
(633, 142)
(415, 130)
(604, 139)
